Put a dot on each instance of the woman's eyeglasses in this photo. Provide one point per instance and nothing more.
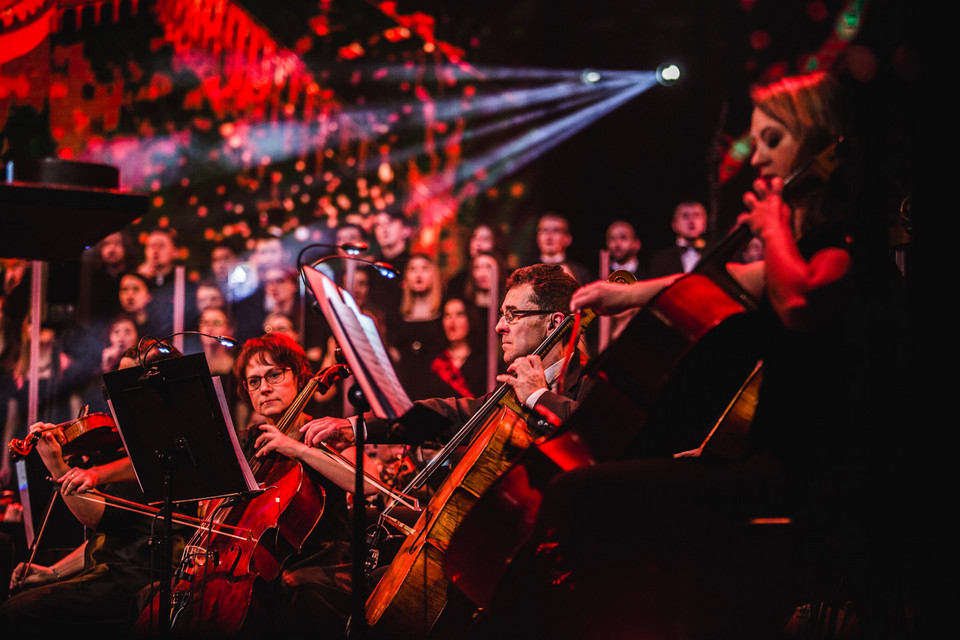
(274, 376)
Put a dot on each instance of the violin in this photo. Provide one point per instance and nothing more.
(90, 434)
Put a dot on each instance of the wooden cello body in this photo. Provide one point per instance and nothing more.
(412, 593)
(213, 590)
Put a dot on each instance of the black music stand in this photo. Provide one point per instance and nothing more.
(376, 386)
(175, 424)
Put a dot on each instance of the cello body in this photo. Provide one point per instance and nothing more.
(412, 593)
(213, 589)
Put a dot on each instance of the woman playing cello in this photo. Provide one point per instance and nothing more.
(661, 547)
(312, 594)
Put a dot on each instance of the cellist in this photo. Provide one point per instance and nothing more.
(93, 589)
(664, 547)
(312, 595)
(536, 301)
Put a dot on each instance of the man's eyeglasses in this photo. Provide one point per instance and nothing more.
(274, 376)
(512, 316)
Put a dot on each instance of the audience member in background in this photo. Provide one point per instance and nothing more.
(135, 301)
(268, 253)
(209, 295)
(100, 283)
(158, 267)
(233, 283)
(214, 321)
(392, 233)
(624, 247)
(458, 369)
(485, 238)
(553, 240)
(282, 289)
(56, 378)
(159, 256)
(485, 271)
(418, 331)
(689, 224)
(349, 232)
(753, 252)
(120, 334)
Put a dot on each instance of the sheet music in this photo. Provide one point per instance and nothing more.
(228, 418)
(358, 337)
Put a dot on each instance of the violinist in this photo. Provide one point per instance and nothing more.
(685, 560)
(94, 589)
(312, 595)
(535, 303)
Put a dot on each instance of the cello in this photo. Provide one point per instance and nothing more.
(657, 392)
(409, 598)
(213, 586)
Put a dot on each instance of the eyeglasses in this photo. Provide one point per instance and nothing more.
(512, 316)
(274, 376)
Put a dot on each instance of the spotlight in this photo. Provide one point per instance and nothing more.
(589, 76)
(667, 74)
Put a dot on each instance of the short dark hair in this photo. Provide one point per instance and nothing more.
(284, 352)
(552, 286)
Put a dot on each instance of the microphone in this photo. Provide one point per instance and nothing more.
(352, 248)
(165, 349)
(384, 269)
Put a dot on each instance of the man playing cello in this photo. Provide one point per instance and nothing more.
(536, 301)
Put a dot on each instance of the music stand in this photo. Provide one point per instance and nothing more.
(378, 387)
(174, 422)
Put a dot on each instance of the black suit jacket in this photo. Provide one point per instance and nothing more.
(456, 412)
(667, 262)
